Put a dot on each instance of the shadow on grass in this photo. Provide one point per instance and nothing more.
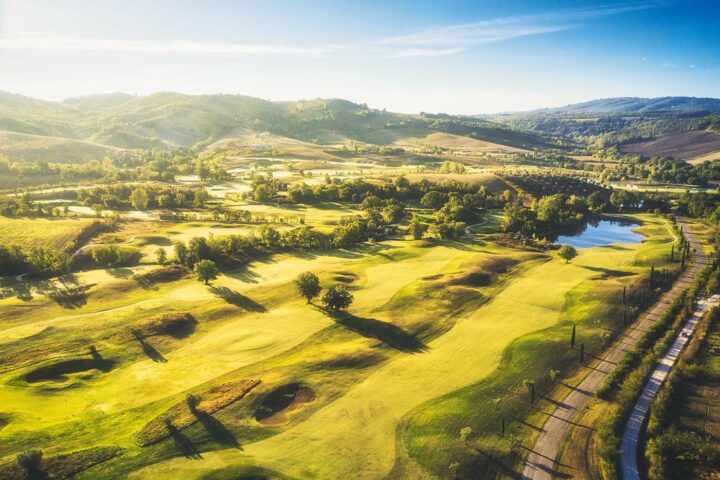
(391, 335)
(237, 299)
(144, 282)
(151, 352)
(182, 442)
(608, 271)
(120, 272)
(509, 472)
(216, 429)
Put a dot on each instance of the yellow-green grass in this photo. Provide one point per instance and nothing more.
(704, 231)
(233, 332)
(252, 325)
(456, 142)
(355, 435)
(593, 304)
(46, 232)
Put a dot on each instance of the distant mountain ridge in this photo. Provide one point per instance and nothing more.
(640, 105)
(167, 120)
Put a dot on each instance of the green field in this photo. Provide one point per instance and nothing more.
(425, 349)
(54, 233)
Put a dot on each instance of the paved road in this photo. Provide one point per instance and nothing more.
(540, 464)
(634, 426)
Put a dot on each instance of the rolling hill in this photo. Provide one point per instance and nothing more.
(165, 120)
(642, 105)
(687, 146)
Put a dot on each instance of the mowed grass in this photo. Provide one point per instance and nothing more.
(431, 393)
(421, 330)
(53, 233)
(244, 319)
(586, 293)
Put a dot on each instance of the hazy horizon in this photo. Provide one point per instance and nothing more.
(476, 58)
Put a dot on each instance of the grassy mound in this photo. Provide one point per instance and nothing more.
(175, 324)
(181, 416)
(62, 466)
(163, 274)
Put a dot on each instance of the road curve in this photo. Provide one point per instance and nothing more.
(636, 420)
(541, 462)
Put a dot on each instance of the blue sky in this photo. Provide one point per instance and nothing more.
(478, 56)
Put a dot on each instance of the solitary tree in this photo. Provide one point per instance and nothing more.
(139, 199)
(161, 255)
(308, 285)
(206, 271)
(530, 384)
(337, 298)
(567, 252)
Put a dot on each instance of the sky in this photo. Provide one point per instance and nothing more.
(452, 56)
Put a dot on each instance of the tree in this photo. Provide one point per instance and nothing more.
(106, 255)
(567, 252)
(181, 252)
(572, 337)
(337, 298)
(139, 199)
(417, 229)
(530, 385)
(161, 255)
(205, 270)
(308, 285)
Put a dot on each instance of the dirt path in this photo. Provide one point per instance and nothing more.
(541, 463)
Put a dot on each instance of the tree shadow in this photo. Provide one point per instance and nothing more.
(391, 335)
(608, 271)
(237, 299)
(144, 282)
(216, 429)
(70, 298)
(151, 352)
(182, 442)
(244, 274)
(19, 290)
(509, 472)
(121, 272)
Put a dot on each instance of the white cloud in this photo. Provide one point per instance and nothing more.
(506, 28)
(434, 42)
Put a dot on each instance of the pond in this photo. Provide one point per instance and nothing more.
(602, 232)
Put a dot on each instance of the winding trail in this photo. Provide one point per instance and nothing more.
(636, 421)
(541, 464)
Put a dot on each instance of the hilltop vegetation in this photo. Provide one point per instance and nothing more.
(171, 119)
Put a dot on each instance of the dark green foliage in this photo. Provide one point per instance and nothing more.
(308, 285)
(206, 271)
(337, 298)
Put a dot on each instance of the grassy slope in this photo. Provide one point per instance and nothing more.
(362, 444)
(585, 293)
(29, 148)
(55, 233)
